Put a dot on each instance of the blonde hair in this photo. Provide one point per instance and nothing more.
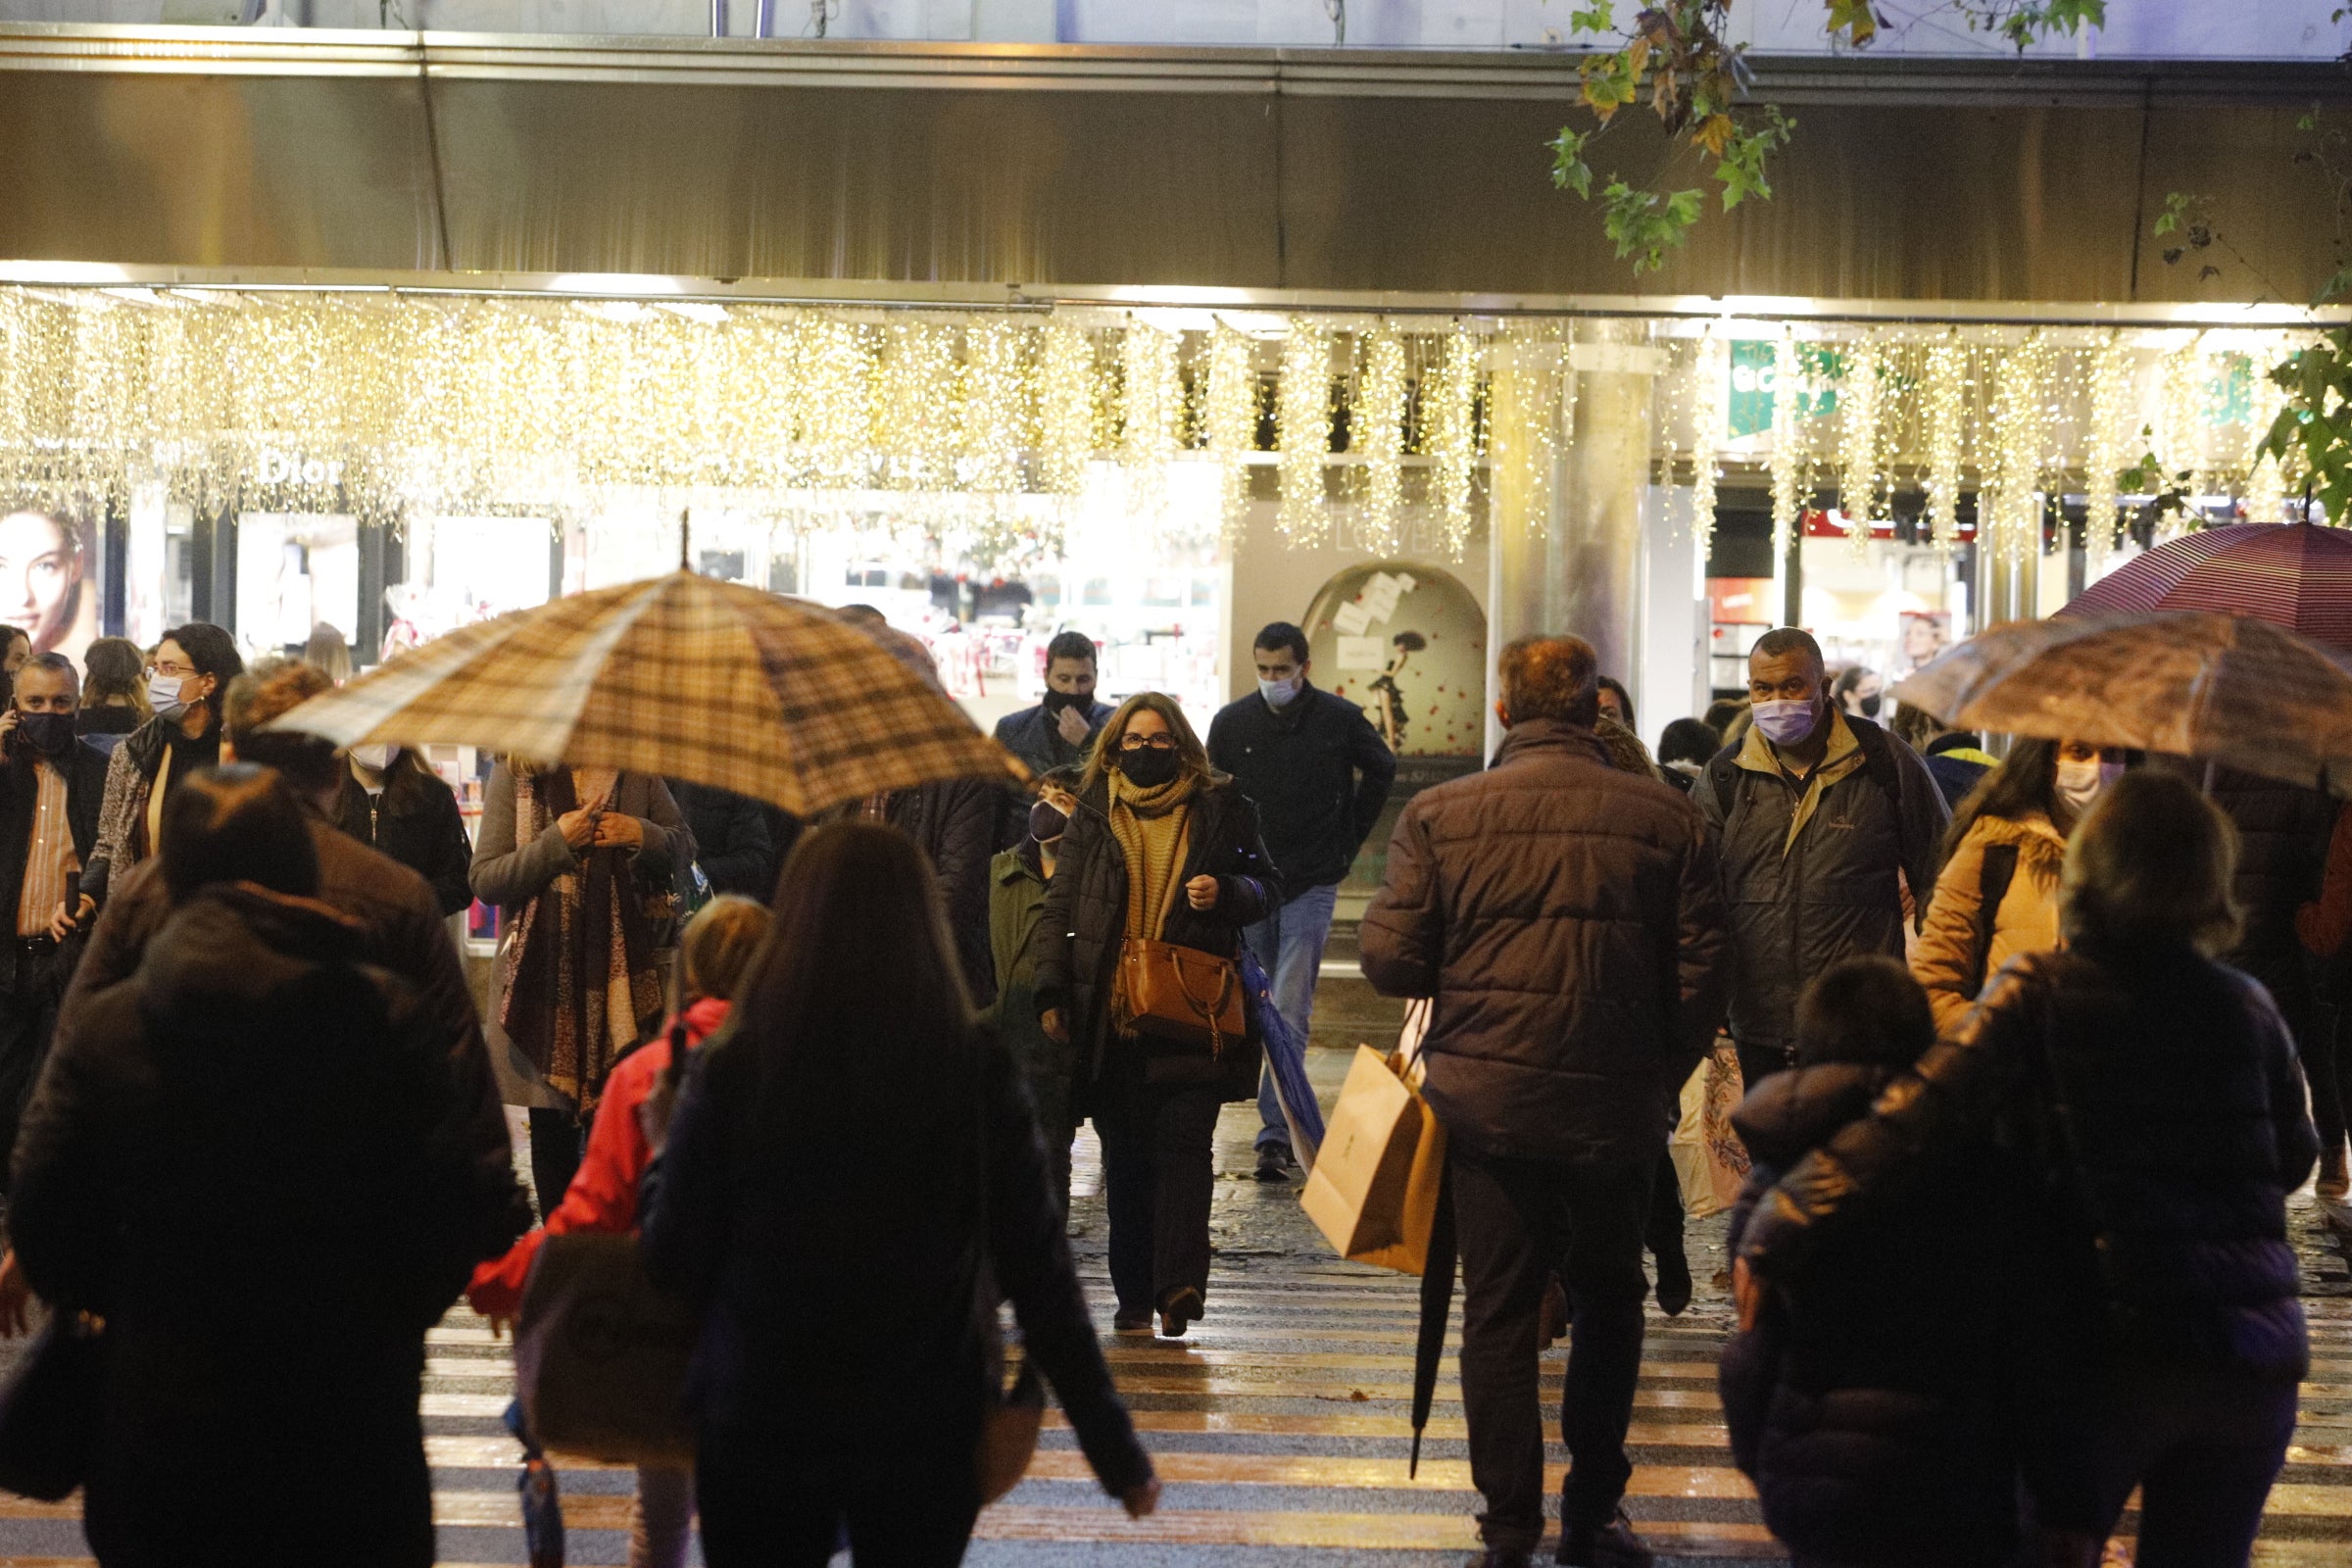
(719, 943)
(2150, 867)
(1191, 755)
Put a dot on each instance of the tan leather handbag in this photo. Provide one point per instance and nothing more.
(1182, 994)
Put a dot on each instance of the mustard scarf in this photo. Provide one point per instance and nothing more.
(1155, 829)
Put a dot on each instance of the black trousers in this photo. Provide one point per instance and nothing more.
(1158, 1173)
(1515, 1219)
(2324, 1040)
(558, 1143)
(1663, 1235)
(27, 1021)
(902, 1509)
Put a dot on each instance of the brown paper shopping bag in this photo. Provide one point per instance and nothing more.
(1373, 1191)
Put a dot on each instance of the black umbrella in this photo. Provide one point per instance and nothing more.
(1436, 1305)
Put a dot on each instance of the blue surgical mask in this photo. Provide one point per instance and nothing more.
(163, 692)
(1786, 722)
(1281, 693)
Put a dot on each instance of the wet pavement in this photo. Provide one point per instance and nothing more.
(1280, 1424)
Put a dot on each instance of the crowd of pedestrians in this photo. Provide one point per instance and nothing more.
(2034, 1048)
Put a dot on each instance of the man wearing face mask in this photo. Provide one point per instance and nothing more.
(1822, 818)
(1058, 731)
(392, 800)
(51, 785)
(1319, 773)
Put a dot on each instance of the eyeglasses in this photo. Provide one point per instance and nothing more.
(1139, 743)
(167, 671)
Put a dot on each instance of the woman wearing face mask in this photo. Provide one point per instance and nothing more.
(1860, 692)
(1159, 848)
(393, 802)
(1017, 880)
(1998, 895)
(192, 669)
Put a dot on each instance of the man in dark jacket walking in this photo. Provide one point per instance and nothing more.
(1566, 918)
(1057, 733)
(1820, 818)
(732, 841)
(1319, 773)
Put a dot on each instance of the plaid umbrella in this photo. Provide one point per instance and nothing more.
(682, 676)
(2226, 689)
(2292, 575)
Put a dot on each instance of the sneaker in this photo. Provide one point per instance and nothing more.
(1127, 1323)
(1274, 1162)
(1673, 1283)
(1179, 1312)
(1610, 1545)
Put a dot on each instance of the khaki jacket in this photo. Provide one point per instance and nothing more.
(1944, 959)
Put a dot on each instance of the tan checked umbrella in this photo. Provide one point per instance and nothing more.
(2229, 689)
(682, 676)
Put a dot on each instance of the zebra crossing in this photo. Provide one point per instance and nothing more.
(1280, 1425)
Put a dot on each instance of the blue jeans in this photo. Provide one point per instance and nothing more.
(1290, 944)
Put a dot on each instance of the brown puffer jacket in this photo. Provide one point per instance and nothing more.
(1566, 917)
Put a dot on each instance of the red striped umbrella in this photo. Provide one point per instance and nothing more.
(2292, 575)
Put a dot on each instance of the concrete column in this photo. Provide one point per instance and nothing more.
(1568, 553)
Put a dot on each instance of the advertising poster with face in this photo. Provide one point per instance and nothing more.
(48, 586)
(1925, 635)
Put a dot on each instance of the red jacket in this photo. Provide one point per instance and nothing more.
(603, 1194)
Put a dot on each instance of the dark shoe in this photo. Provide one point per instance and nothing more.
(1610, 1545)
(1179, 1309)
(1274, 1162)
(2333, 1182)
(1123, 1323)
(1673, 1283)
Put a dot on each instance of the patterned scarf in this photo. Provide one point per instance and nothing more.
(584, 979)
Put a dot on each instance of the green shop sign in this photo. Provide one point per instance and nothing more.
(1755, 382)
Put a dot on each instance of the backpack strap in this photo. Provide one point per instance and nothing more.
(1723, 772)
(1877, 759)
(1992, 886)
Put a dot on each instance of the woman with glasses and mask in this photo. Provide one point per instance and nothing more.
(1161, 848)
(192, 669)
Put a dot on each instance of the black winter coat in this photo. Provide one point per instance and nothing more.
(731, 840)
(954, 822)
(2153, 1103)
(1079, 936)
(84, 770)
(842, 1300)
(2283, 833)
(254, 1108)
(416, 821)
(1319, 773)
(1865, 1406)
(1566, 917)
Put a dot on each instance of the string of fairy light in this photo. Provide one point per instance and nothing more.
(387, 405)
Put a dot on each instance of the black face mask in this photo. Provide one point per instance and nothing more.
(1047, 822)
(1055, 701)
(1150, 767)
(50, 734)
(1870, 706)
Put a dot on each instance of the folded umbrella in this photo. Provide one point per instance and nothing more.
(681, 676)
(2226, 689)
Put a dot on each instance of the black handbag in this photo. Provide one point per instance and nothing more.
(49, 1410)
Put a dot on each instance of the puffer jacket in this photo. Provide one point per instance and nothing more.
(1079, 934)
(1946, 961)
(1809, 872)
(1565, 914)
(2153, 1100)
(2283, 833)
(955, 822)
(1864, 1404)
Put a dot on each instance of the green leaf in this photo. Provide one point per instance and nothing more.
(2176, 209)
(1644, 225)
(1595, 17)
(2339, 284)
(1569, 171)
(1853, 19)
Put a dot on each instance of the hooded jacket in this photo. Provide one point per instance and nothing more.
(2154, 1103)
(1863, 1404)
(1083, 927)
(1809, 869)
(1946, 961)
(255, 1110)
(1565, 915)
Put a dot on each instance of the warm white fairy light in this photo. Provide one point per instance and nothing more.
(1711, 368)
(2009, 503)
(1302, 430)
(1861, 481)
(1229, 423)
(1786, 461)
(1151, 410)
(1376, 429)
(2265, 488)
(1065, 407)
(1946, 398)
(1451, 436)
(2108, 451)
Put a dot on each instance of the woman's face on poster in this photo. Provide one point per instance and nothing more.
(39, 569)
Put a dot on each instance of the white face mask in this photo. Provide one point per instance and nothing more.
(1786, 722)
(163, 691)
(1280, 693)
(2081, 782)
(375, 757)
